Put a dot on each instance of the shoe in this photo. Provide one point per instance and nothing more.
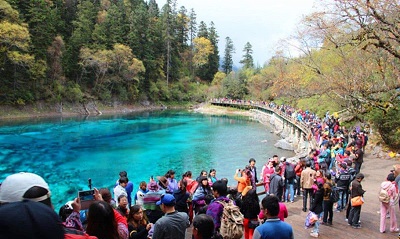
(295, 196)
(346, 220)
(396, 230)
(383, 232)
(314, 234)
(357, 226)
(329, 223)
(292, 201)
(304, 209)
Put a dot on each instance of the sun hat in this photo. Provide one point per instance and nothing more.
(16, 185)
(163, 181)
(167, 199)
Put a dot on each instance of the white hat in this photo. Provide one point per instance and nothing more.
(283, 159)
(15, 186)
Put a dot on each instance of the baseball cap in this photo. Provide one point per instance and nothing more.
(167, 199)
(29, 219)
(16, 185)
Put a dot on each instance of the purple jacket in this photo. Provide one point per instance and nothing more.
(215, 211)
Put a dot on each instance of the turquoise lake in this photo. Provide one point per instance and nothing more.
(66, 152)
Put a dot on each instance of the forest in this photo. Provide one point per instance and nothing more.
(344, 57)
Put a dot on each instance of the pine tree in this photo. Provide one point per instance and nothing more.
(227, 64)
(247, 59)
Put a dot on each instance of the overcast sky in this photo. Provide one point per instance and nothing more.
(261, 22)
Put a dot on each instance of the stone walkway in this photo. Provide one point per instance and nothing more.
(375, 171)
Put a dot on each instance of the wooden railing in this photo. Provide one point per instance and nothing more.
(264, 107)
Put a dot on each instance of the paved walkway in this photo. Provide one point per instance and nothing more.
(375, 171)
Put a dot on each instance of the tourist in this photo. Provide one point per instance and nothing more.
(306, 184)
(317, 208)
(343, 179)
(172, 183)
(190, 188)
(140, 193)
(173, 224)
(128, 188)
(101, 222)
(203, 227)
(253, 169)
(120, 188)
(267, 170)
(356, 190)
(273, 227)
(107, 197)
(163, 184)
(153, 212)
(298, 169)
(276, 184)
(138, 226)
(191, 184)
(283, 212)
(328, 203)
(203, 173)
(212, 177)
(122, 206)
(203, 189)
(289, 177)
(215, 208)
(181, 197)
(358, 158)
(250, 210)
(389, 207)
(243, 181)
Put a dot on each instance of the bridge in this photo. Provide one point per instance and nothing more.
(294, 131)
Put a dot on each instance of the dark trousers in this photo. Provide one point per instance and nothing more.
(357, 167)
(308, 192)
(328, 211)
(297, 186)
(354, 216)
(348, 207)
(343, 194)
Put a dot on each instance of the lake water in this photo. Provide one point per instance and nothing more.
(67, 152)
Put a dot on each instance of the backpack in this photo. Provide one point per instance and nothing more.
(231, 221)
(384, 196)
(289, 171)
(334, 196)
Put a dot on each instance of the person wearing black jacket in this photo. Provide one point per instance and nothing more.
(317, 208)
(253, 170)
(356, 190)
(250, 209)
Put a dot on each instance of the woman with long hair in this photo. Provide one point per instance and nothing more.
(250, 209)
(181, 197)
(203, 188)
(101, 221)
(212, 176)
(138, 225)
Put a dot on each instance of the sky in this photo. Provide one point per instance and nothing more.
(263, 23)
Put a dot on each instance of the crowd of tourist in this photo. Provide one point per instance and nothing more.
(328, 179)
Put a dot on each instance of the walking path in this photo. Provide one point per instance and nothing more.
(375, 171)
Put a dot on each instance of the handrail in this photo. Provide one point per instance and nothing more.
(301, 125)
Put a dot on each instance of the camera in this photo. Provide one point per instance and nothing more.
(87, 198)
